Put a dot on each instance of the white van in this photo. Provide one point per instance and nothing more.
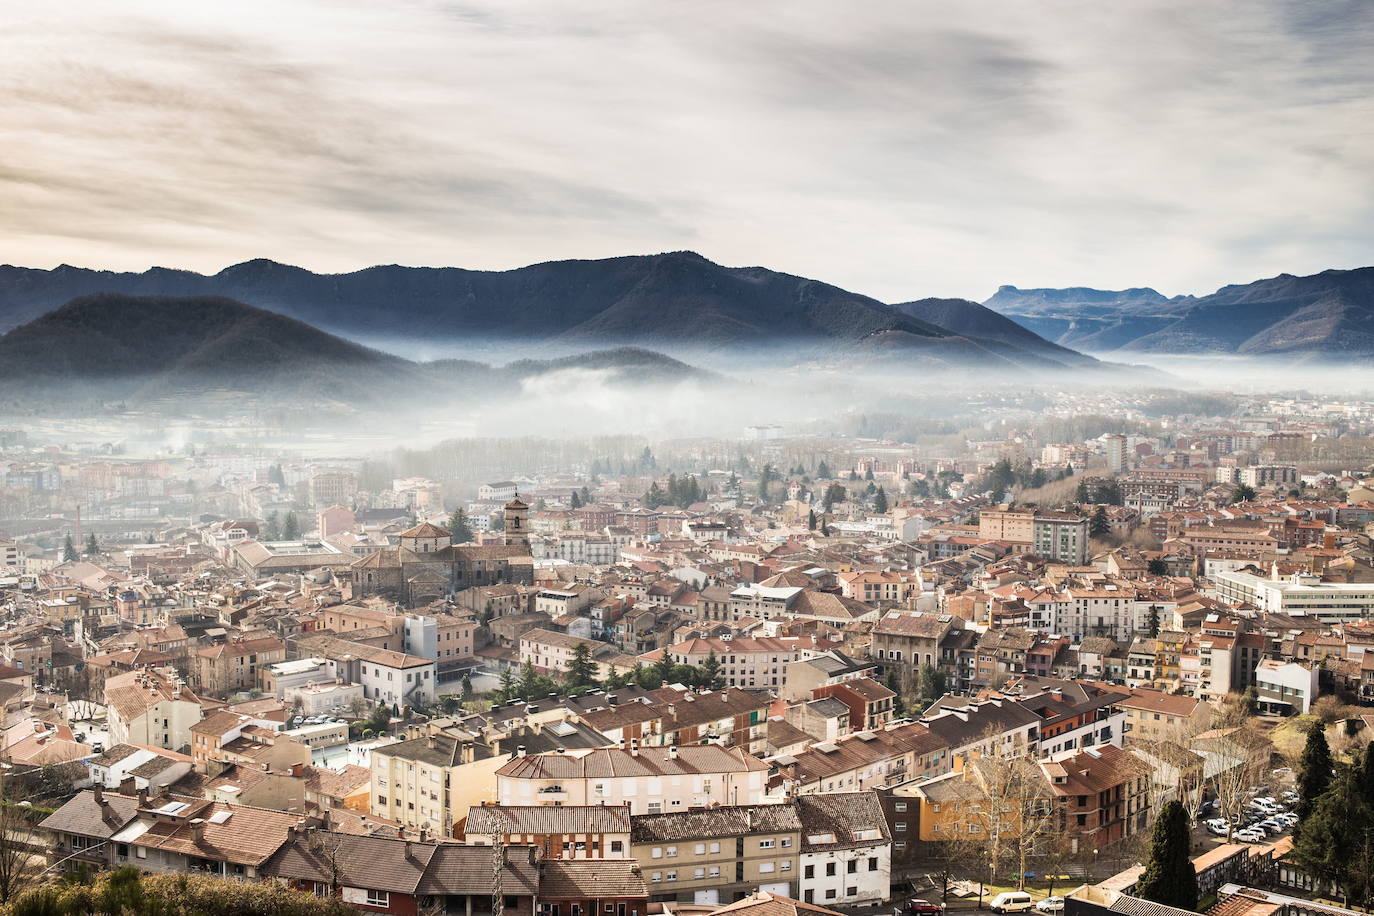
(1011, 902)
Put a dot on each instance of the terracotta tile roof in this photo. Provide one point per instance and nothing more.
(374, 863)
(467, 870)
(548, 819)
(571, 879)
(619, 762)
(705, 823)
(763, 903)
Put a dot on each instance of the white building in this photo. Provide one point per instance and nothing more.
(1287, 688)
(1300, 594)
(846, 852)
(651, 780)
(500, 491)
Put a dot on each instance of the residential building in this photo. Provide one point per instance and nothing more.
(650, 780)
(718, 855)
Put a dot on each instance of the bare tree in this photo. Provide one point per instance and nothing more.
(20, 863)
(1010, 809)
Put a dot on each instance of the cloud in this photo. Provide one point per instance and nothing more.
(897, 149)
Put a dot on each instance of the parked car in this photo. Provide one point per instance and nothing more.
(1050, 905)
(1011, 902)
(1250, 835)
(918, 907)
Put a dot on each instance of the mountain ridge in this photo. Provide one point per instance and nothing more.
(677, 301)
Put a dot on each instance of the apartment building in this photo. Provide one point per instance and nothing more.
(718, 855)
(863, 761)
(650, 780)
(747, 661)
(235, 665)
(846, 850)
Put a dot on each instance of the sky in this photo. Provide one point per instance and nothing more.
(900, 150)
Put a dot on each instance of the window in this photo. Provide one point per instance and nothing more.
(830, 869)
(700, 849)
(378, 898)
(785, 865)
(786, 842)
(900, 807)
(767, 844)
(766, 868)
(617, 846)
(852, 867)
(715, 871)
(699, 873)
(809, 871)
(715, 847)
(873, 863)
(672, 852)
(657, 853)
(656, 877)
(671, 876)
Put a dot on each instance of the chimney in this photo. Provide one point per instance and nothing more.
(99, 794)
(406, 850)
(424, 834)
(143, 798)
(672, 752)
(429, 740)
(198, 831)
(634, 747)
(520, 751)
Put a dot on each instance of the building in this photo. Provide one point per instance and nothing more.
(235, 665)
(150, 707)
(594, 832)
(1300, 595)
(498, 492)
(650, 780)
(332, 488)
(1286, 688)
(1104, 793)
(1061, 536)
(718, 855)
(846, 851)
(425, 565)
(1116, 446)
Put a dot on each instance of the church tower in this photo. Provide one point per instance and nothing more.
(517, 518)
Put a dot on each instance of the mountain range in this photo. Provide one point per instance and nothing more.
(678, 301)
(112, 346)
(1327, 315)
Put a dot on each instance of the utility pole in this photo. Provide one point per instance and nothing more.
(498, 861)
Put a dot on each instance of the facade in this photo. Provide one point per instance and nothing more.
(1299, 595)
(425, 566)
(592, 832)
(1061, 536)
(1287, 688)
(718, 855)
(650, 780)
(151, 708)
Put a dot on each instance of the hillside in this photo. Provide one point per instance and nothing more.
(114, 346)
(1325, 315)
(969, 319)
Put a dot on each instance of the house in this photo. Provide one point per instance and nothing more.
(235, 665)
(1156, 715)
(1286, 688)
(151, 707)
(579, 886)
(564, 832)
(149, 768)
(846, 851)
(864, 760)
(402, 876)
(1104, 792)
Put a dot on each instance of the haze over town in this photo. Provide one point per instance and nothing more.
(715, 459)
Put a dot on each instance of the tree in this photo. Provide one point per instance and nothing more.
(1244, 493)
(868, 474)
(711, 677)
(1333, 842)
(1314, 771)
(930, 683)
(18, 865)
(272, 530)
(69, 554)
(581, 668)
(880, 502)
(1157, 567)
(1152, 621)
(835, 493)
(766, 477)
(92, 547)
(1365, 776)
(506, 688)
(291, 528)
(1099, 526)
(575, 500)
(467, 686)
(586, 496)
(1169, 877)
(458, 527)
(655, 497)
(528, 685)
(811, 520)
(823, 471)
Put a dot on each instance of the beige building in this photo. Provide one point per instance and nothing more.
(718, 855)
(1007, 524)
(650, 780)
(235, 665)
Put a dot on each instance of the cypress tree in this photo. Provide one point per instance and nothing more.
(1169, 877)
(1314, 771)
(1331, 842)
(1366, 776)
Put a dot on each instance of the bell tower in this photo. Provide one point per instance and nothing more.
(517, 519)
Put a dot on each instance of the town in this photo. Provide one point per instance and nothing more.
(1112, 655)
